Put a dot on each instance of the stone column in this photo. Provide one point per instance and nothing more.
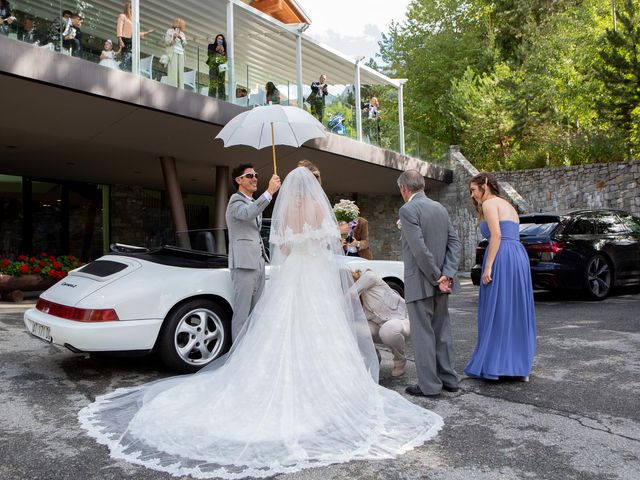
(176, 205)
(221, 199)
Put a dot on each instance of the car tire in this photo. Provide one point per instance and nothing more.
(598, 278)
(396, 286)
(193, 335)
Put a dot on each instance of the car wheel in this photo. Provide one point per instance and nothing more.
(193, 335)
(396, 286)
(598, 278)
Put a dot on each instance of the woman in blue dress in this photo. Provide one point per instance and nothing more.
(506, 341)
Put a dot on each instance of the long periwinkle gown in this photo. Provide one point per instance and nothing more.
(506, 341)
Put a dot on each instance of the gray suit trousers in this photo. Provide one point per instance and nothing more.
(432, 343)
(248, 285)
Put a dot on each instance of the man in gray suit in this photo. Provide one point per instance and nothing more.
(431, 253)
(247, 255)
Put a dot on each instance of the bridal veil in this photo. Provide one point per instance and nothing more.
(298, 389)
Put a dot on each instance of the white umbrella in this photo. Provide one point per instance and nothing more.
(271, 125)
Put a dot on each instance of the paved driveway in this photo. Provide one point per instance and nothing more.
(578, 418)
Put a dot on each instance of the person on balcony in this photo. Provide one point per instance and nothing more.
(273, 94)
(6, 18)
(319, 90)
(175, 41)
(217, 61)
(371, 113)
(56, 28)
(28, 34)
(124, 32)
(72, 35)
(108, 56)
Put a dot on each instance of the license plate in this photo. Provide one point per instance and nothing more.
(41, 331)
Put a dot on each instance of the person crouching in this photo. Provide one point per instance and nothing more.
(386, 314)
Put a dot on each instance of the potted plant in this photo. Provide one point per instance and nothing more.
(30, 273)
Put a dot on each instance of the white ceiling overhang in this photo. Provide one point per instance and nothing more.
(264, 48)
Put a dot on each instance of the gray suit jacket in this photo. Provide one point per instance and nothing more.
(244, 219)
(430, 247)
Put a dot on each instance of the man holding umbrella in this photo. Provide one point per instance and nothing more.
(247, 255)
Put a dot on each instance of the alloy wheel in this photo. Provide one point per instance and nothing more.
(598, 277)
(199, 336)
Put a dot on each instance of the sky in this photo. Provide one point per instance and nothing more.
(352, 27)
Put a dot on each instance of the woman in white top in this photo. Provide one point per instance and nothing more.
(175, 42)
(386, 314)
(108, 56)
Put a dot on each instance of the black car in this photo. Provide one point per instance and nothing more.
(590, 250)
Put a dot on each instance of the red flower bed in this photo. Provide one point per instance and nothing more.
(45, 265)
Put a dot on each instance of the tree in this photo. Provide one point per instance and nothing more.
(439, 40)
(478, 108)
(620, 74)
(513, 82)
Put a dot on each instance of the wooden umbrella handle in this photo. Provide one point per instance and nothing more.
(273, 150)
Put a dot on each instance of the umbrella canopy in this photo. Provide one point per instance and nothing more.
(291, 126)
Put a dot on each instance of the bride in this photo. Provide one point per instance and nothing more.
(297, 390)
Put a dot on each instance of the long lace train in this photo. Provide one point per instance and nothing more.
(295, 391)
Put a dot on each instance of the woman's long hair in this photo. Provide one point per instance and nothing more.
(127, 10)
(214, 45)
(271, 89)
(484, 181)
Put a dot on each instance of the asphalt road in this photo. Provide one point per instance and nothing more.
(578, 417)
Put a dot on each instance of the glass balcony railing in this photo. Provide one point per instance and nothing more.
(177, 53)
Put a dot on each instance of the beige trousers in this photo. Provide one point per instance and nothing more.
(393, 334)
(175, 71)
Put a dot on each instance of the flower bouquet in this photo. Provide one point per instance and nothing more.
(346, 210)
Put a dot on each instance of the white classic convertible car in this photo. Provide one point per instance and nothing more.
(174, 301)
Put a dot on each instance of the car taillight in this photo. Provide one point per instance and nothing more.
(551, 247)
(546, 251)
(76, 314)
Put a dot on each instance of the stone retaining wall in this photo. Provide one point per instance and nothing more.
(597, 185)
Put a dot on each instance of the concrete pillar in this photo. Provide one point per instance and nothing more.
(401, 83)
(172, 186)
(358, 111)
(231, 71)
(299, 68)
(135, 37)
(221, 200)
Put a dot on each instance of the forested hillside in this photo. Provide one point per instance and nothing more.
(520, 83)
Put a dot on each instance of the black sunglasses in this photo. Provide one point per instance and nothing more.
(249, 175)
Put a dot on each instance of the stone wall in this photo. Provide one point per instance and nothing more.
(598, 185)
(605, 185)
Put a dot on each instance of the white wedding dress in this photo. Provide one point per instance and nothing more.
(297, 390)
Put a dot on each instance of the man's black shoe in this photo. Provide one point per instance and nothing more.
(447, 388)
(415, 390)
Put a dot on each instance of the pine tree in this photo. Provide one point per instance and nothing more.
(620, 74)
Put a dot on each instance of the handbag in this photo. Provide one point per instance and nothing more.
(164, 60)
